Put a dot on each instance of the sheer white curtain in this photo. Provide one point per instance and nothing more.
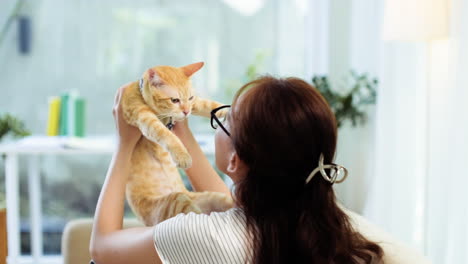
(419, 185)
(407, 163)
(448, 207)
(341, 35)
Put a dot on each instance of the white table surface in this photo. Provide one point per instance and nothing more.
(92, 144)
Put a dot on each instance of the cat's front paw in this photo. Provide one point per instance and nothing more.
(182, 159)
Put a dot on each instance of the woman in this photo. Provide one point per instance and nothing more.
(277, 144)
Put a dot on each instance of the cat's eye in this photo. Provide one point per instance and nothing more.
(191, 97)
(175, 100)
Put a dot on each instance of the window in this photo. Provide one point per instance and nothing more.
(93, 47)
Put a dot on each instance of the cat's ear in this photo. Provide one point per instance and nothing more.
(154, 78)
(190, 69)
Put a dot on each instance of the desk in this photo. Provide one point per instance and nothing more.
(33, 147)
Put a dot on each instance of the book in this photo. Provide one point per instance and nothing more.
(80, 106)
(76, 116)
(72, 115)
(64, 102)
(53, 120)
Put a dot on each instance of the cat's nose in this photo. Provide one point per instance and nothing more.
(185, 112)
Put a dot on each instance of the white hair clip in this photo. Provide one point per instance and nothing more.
(336, 171)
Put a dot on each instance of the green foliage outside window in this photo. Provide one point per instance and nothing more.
(252, 71)
(360, 91)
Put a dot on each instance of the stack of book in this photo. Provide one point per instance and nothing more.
(66, 116)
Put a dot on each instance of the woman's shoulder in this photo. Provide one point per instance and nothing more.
(209, 238)
(227, 217)
(218, 224)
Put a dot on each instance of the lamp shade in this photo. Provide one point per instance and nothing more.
(415, 20)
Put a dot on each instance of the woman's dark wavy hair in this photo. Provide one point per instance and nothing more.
(281, 128)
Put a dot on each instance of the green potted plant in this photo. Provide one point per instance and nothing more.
(351, 104)
(11, 125)
(348, 105)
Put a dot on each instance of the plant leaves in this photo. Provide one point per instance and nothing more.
(349, 107)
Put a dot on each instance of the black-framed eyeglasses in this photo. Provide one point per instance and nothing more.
(215, 122)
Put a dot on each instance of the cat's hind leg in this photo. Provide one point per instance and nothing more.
(211, 201)
(165, 207)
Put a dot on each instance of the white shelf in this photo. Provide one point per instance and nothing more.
(59, 145)
(72, 145)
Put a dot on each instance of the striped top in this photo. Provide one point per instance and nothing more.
(200, 238)
(221, 238)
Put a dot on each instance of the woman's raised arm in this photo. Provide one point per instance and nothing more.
(109, 242)
(202, 175)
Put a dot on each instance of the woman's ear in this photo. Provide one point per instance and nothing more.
(233, 163)
(235, 166)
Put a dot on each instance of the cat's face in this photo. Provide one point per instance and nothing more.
(168, 90)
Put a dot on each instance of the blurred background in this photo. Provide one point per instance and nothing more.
(394, 72)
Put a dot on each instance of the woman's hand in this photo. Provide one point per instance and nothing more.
(128, 135)
(181, 129)
(202, 175)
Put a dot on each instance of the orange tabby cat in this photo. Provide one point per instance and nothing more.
(155, 190)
